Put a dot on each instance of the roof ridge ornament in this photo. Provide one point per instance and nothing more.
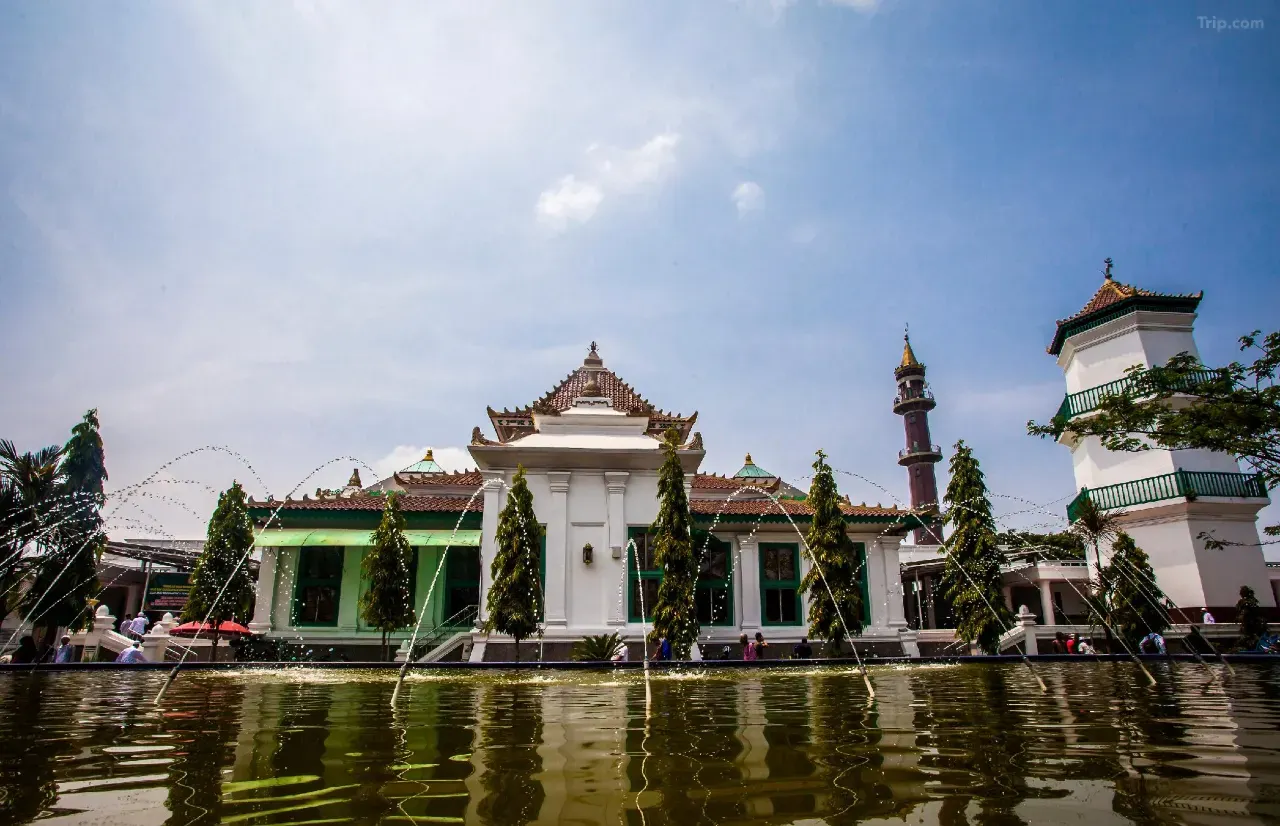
(593, 358)
(1106, 273)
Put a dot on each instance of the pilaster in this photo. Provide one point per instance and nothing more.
(877, 588)
(749, 577)
(616, 487)
(265, 592)
(349, 599)
(557, 549)
(494, 482)
(896, 616)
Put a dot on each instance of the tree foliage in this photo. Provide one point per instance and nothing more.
(1127, 597)
(594, 648)
(31, 505)
(675, 613)
(833, 581)
(1253, 624)
(515, 595)
(1234, 409)
(971, 578)
(387, 602)
(1060, 545)
(221, 588)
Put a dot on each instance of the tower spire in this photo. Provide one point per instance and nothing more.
(913, 403)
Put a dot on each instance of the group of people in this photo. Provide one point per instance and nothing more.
(1070, 644)
(134, 627)
(27, 652)
(752, 650)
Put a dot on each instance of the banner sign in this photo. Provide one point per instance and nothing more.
(168, 592)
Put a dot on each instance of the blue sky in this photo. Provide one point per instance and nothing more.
(314, 231)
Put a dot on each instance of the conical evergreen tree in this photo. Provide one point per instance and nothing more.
(515, 597)
(1253, 625)
(675, 614)
(388, 563)
(834, 557)
(1130, 597)
(65, 578)
(971, 579)
(223, 562)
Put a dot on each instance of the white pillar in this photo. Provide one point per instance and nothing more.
(154, 643)
(877, 588)
(1007, 590)
(749, 570)
(494, 483)
(557, 550)
(1028, 623)
(616, 485)
(897, 615)
(349, 597)
(1046, 599)
(264, 592)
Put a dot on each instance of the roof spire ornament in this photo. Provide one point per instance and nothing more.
(908, 355)
(1107, 272)
(593, 358)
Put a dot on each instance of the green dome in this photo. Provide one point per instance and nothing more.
(753, 471)
(427, 465)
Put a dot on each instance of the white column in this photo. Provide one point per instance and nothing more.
(557, 550)
(1046, 598)
(616, 485)
(286, 578)
(877, 588)
(349, 597)
(749, 579)
(265, 592)
(897, 614)
(1007, 590)
(494, 485)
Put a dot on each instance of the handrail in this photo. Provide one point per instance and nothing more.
(1076, 404)
(926, 393)
(445, 629)
(914, 451)
(1181, 484)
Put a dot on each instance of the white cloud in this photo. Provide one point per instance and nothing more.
(609, 170)
(804, 234)
(747, 197)
(570, 200)
(449, 458)
(864, 6)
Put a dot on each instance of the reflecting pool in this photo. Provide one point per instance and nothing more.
(974, 743)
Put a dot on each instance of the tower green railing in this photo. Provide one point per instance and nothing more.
(1181, 484)
(1076, 404)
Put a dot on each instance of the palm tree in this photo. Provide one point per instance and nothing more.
(1095, 526)
(29, 493)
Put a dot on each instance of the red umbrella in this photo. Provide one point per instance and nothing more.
(190, 629)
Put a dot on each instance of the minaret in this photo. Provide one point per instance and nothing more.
(913, 403)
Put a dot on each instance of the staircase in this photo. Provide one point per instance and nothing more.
(445, 637)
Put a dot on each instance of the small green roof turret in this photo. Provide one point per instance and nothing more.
(427, 465)
(751, 470)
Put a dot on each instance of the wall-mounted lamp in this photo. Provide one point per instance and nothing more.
(587, 552)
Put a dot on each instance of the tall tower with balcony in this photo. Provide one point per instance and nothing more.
(1166, 498)
(913, 403)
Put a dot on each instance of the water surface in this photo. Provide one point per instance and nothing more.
(975, 744)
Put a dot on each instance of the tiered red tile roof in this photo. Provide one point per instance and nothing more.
(456, 479)
(513, 424)
(767, 507)
(369, 502)
(710, 481)
(1111, 293)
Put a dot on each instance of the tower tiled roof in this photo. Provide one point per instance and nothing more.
(374, 502)
(710, 481)
(595, 378)
(750, 470)
(1116, 298)
(427, 464)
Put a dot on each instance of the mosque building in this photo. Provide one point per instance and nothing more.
(591, 449)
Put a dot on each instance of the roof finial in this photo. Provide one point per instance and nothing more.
(748, 460)
(428, 457)
(354, 481)
(593, 358)
(1107, 271)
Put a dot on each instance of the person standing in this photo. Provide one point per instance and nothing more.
(663, 651)
(66, 651)
(126, 625)
(803, 651)
(748, 648)
(1071, 643)
(139, 626)
(760, 646)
